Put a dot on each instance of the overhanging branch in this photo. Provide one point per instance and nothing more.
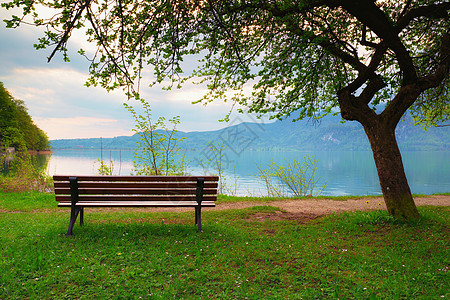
(435, 11)
(368, 13)
(69, 29)
(408, 93)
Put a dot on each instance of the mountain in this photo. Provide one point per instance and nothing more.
(307, 135)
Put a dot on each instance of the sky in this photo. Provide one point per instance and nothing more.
(64, 108)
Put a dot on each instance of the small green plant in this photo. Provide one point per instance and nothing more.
(273, 188)
(231, 189)
(294, 177)
(157, 148)
(104, 167)
(214, 158)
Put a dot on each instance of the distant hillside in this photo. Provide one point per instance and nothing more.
(329, 134)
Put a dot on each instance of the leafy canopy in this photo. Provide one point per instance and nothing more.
(17, 129)
(297, 56)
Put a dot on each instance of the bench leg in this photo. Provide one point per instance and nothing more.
(81, 216)
(73, 217)
(198, 218)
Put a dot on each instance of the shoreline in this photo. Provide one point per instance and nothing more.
(34, 152)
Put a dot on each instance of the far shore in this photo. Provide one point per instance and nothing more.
(34, 152)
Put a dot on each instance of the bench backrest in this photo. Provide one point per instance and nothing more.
(135, 188)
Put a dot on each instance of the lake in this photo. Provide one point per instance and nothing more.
(344, 172)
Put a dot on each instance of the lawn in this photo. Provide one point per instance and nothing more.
(242, 253)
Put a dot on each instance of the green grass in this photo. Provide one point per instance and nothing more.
(242, 253)
(27, 201)
(230, 199)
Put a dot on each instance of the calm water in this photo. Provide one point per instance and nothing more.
(345, 173)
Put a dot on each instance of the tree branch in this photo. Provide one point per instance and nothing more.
(102, 42)
(364, 41)
(433, 80)
(435, 11)
(408, 94)
(69, 30)
(368, 13)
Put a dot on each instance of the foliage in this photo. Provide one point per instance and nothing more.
(302, 57)
(432, 113)
(24, 175)
(300, 54)
(214, 157)
(157, 149)
(361, 255)
(16, 126)
(214, 160)
(18, 130)
(294, 177)
(104, 167)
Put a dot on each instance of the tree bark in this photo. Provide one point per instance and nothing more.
(388, 160)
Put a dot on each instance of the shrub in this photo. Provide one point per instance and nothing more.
(294, 177)
(23, 176)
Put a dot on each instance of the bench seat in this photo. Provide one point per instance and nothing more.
(138, 204)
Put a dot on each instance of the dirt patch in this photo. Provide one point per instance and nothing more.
(319, 207)
(301, 218)
(293, 209)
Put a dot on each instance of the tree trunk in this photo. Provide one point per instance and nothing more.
(391, 173)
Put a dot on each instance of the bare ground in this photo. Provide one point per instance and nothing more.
(309, 209)
(304, 210)
(300, 210)
(327, 206)
(317, 206)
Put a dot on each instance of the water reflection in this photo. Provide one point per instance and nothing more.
(39, 162)
(345, 172)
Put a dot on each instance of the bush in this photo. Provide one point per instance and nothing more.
(23, 176)
(294, 177)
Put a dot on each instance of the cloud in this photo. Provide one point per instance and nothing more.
(57, 95)
(81, 127)
(60, 91)
(61, 105)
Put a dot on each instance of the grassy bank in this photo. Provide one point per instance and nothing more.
(253, 253)
(230, 199)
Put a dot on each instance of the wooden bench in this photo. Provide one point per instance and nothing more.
(78, 192)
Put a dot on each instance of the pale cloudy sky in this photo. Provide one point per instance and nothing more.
(63, 107)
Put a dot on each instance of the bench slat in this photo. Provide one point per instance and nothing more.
(139, 204)
(132, 191)
(150, 185)
(125, 198)
(136, 178)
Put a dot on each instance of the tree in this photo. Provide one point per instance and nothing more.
(16, 126)
(157, 146)
(306, 57)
